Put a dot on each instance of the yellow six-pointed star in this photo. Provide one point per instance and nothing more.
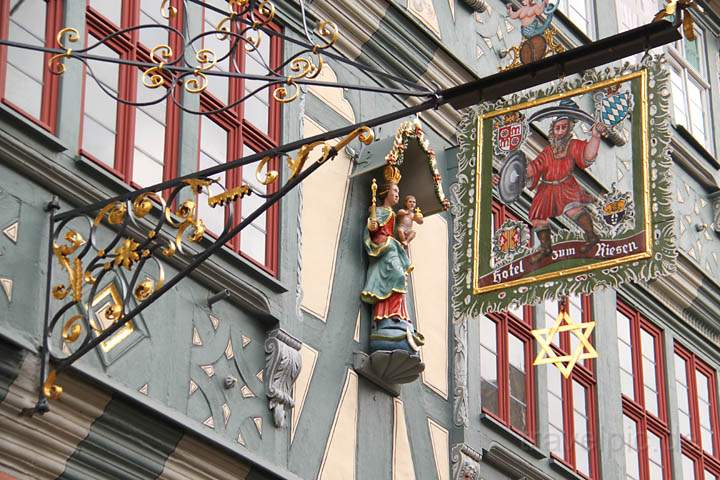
(564, 363)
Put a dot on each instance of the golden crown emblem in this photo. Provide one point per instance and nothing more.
(392, 174)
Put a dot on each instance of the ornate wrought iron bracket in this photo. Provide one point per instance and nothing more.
(139, 228)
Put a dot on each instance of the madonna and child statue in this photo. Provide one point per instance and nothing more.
(394, 342)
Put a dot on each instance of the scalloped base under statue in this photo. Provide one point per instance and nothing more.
(388, 369)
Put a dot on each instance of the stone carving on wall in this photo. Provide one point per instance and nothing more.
(282, 366)
(465, 462)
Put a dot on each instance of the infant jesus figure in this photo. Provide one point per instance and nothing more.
(406, 216)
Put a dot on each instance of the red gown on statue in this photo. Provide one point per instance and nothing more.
(557, 188)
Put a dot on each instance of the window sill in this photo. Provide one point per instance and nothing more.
(688, 137)
(49, 140)
(517, 439)
(560, 467)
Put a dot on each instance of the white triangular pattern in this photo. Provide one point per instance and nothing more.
(226, 413)
(260, 375)
(258, 424)
(246, 341)
(209, 422)
(691, 252)
(193, 387)
(229, 353)
(479, 52)
(696, 208)
(246, 392)
(488, 42)
(240, 439)
(7, 286)
(144, 389)
(208, 369)
(509, 26)
(687, 188)
(214, 321)
(680, 198)
(196, 340)
(682, 228)
(12, 232)
(452, 8)
(715, 256)
(703, 203)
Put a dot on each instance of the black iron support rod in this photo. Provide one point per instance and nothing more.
(573, 61)
(42, 403)
(197, 261)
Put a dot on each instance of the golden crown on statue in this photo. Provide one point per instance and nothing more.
(392, 174)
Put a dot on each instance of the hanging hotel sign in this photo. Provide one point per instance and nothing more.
(548, 206)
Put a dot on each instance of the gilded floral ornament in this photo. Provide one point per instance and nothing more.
(126, 254)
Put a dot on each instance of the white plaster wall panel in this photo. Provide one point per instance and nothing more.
(38, 447)
(324, 195)
(429, 255)
(302, 385)
(403, 467)
(440, 440)
(340, 451)
(333, 97)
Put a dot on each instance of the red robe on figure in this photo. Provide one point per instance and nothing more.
(557, 188)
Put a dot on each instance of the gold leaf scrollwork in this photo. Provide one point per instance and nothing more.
(329, 33)
(281, 93)
(167, 10)
(55, 64)
(270, 175)
(229, 196)
(152, 77)
(267, 10)
(206, 59)
(72, 328)
(74, 270)
(144, 289)
(52, 390)
(142, 205)
(197, 184)
(115, 212)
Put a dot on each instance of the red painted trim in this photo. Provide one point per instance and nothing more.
(634, 408)
(49, 89)
(128, 47)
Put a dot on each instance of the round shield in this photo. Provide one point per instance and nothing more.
(513, 177)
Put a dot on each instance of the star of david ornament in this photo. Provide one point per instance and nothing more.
(564, 363)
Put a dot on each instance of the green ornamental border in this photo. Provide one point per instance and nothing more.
(663, 254)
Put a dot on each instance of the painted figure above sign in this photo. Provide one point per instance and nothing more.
(600, 211)
(538, 35)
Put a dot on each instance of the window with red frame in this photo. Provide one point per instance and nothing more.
(571, 401)
(241, 130)
(26, 85)
(138, 144)
(643, 396)
(695, 384)
(506, 372)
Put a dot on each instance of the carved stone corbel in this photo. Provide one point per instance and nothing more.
(465, 462)
(282, 366)
(477, 5)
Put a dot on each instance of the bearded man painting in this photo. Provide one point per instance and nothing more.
(558, 191)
